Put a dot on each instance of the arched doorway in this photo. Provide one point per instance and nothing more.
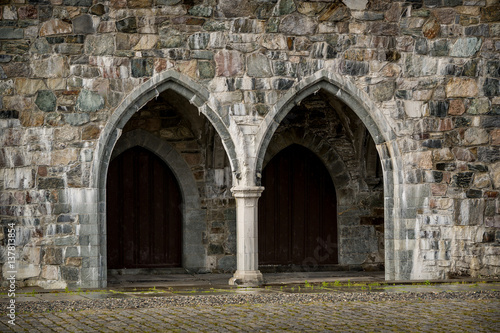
(144, 220)
(297, 211)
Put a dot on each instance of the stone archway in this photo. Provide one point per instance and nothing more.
(198, 96)
(398, 260)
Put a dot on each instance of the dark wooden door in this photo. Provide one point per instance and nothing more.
(297, 211)
(143, 212)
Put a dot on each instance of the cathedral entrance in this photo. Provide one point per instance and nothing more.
(144, 219)
(297, 211)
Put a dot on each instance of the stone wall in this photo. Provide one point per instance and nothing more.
(422, 76)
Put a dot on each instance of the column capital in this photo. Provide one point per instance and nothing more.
(247, 191)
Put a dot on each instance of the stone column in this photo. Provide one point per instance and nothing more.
(247, 266)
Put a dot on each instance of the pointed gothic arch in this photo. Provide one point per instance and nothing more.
(398, 261)
(197, 95)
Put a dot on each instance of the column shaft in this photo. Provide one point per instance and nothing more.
(247, 265)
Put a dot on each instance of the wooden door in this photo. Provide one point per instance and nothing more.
(143, 212)
(297, 211)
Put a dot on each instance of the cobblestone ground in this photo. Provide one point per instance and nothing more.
(400, 316)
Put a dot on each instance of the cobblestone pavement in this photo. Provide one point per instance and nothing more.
(441, 315)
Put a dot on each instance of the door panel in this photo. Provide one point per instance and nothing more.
(297, 211)
(143, 212)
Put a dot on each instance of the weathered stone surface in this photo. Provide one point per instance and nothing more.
(74, 261)
(274, 42)
(199, 41)
(168, 2)
(139, 3)
(83, 24)
(439, 48)
(283, 84)
(146, 42)
(89, 101)
(438, 108)
(493, 68)
(63, 157)
(76, 119)
(142, 67)
(54, 66)
(55, 27)
(98, 9)
(228, 63)
(171, 42)
(355, 68)
(456, 107)
(244, 25)
(178, 54)
(458, 87)
(227, 263)
(272, 25)
(50, 272)
(27, 12)
(201, 10)
(382, 91)
(431, 28)
(127, 25)
(462, 179)
(214, 26)
(336, 12)
(490, 14)
(488, 154)
(481, 181)
(214, 249)
(69, 48)
(6, 87)
(310, 8)
(15, 47)
(495, 137)
(99, 45)
(46, 100)
(296, 24)
(490, 121)
(479, 106)
(11, 33)
(285, 7)
(29, 86)
(76, 3)
(206, 70)
(359, 4)
(478, 30)
(383, 29)
(237, 8)
(258, 65)
(465, 47)
(16, 69)
(70, 273)
(53, 256)
(491, 87)
(476, 136)
(9, 114)
(416, 65)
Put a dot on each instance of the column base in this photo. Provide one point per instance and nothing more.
(247, 279)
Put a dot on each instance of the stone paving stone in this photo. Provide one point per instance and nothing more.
(401, 316)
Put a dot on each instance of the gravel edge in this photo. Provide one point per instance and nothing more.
(221, 300)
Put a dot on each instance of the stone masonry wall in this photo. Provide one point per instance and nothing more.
(426, 73)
